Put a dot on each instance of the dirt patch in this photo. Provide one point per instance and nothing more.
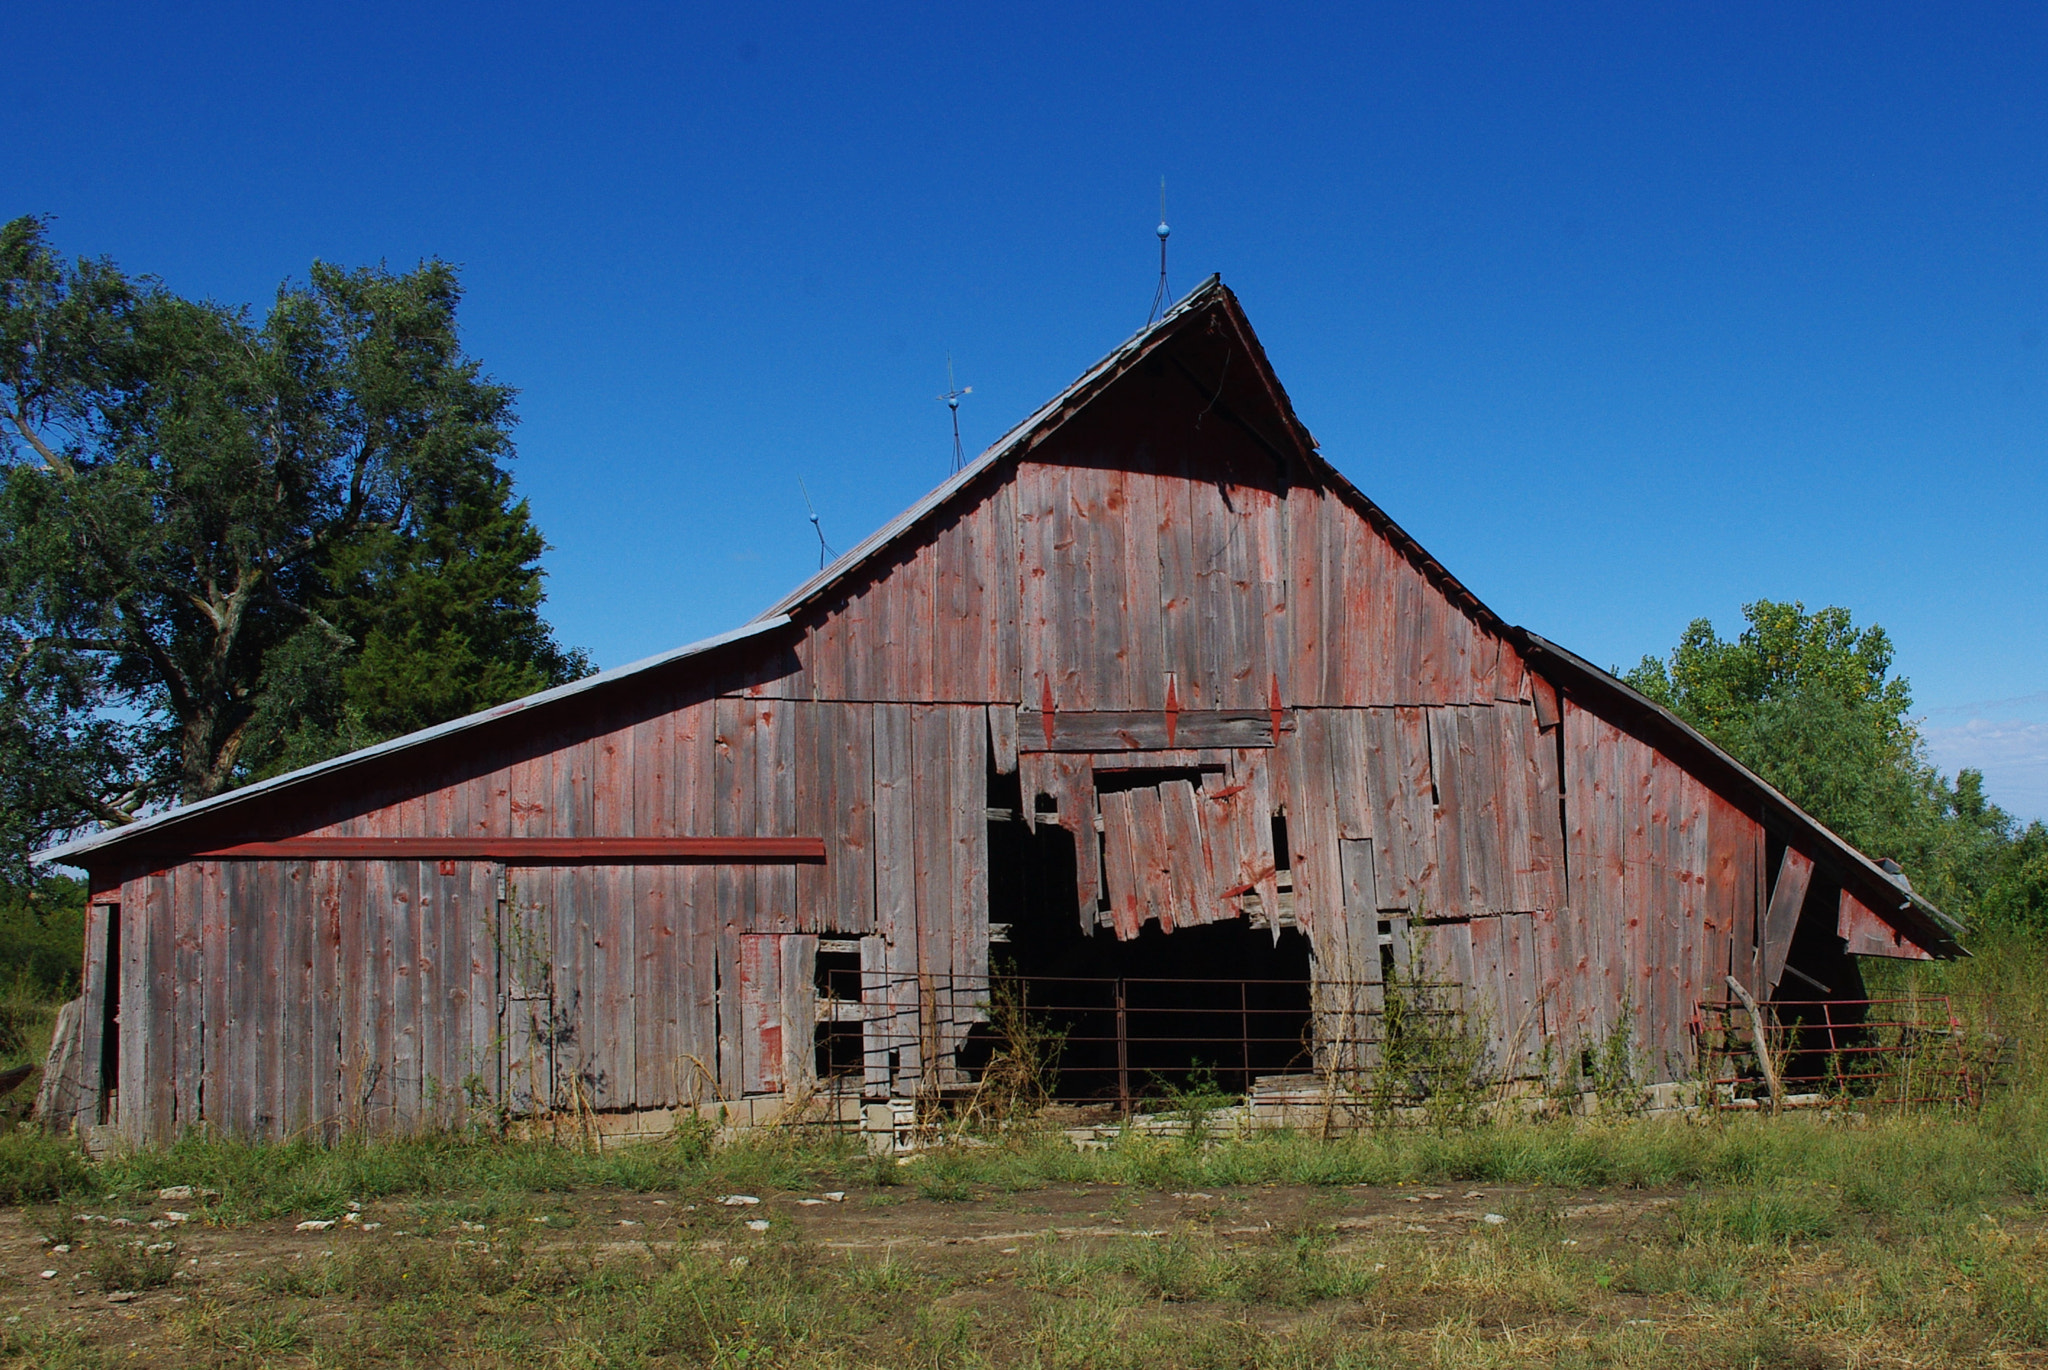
(960, 1240)
(1445, 1274)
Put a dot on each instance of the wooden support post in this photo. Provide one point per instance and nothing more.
(1763, 1045)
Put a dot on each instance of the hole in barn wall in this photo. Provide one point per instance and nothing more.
(1820, 972)
(1149, 777)
(108, 1110)
(838, 982)
(1223, 998)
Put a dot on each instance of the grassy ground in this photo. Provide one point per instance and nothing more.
(1863, 1239)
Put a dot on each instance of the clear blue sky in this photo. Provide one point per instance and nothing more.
(1629, 314)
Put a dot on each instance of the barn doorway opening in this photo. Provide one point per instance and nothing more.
(1208, 1007)
(109, 1104)
(1820, 1000)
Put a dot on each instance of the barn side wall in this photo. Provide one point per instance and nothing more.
(280, 998)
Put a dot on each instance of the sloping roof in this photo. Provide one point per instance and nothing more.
(273, 787)
(1037, 426)
(1025, 434)
(1913, 915)
(1928, 926)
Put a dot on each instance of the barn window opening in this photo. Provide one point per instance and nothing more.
(837, 980)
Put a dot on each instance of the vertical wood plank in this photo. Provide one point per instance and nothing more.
(1788, 896)
(258, 895)
(1152, 857)
(1488, 984)
(775, 796)
(1632, 789)
(1456, 893)
(760, 1006)
(1143, 635)
(1305, 610)
(799, 1013)
(362, 931)
(1002, 737)
(1521, 993)
(1182, 633)
(189, 972)
(896, 907)
(1002, 548)
(216, 953)
(967, 756)
(1357, 957)
(1038, 514)
(403, 940)
(1351, 797)
(932, 874)
(818, 800)
(733, 814)
(299, 915)
(1269, 561)
(1589, 804)
(617, 886)
(1126, 882)
(877, 1022)
(1312, 823)
(655, 987)
(1698, 937)
(699, 925)
(1099, 498)
(136, 1023)
(1665, 896)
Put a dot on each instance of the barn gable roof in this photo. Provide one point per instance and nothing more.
(1214, 302)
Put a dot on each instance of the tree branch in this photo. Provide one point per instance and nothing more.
(51, 460)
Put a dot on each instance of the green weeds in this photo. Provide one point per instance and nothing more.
(132, 1265)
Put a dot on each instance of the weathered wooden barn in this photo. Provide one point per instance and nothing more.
(1146, 692)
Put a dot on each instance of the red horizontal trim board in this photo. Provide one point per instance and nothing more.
(597, 850)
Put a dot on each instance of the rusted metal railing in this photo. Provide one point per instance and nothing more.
(1909, 1052)
(1108, 1039)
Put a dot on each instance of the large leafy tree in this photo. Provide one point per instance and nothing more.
(231, 543)
(1808, 701)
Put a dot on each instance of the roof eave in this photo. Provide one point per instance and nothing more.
(156, 824)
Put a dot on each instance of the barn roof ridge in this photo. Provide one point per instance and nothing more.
(1892, 902)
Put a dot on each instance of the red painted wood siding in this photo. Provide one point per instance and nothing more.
(1147, 550)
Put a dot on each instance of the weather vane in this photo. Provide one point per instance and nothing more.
(825, 553)
(952, 398)
(1159, 296)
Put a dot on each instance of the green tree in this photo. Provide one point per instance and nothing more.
(231, 544)
(1808, 702)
